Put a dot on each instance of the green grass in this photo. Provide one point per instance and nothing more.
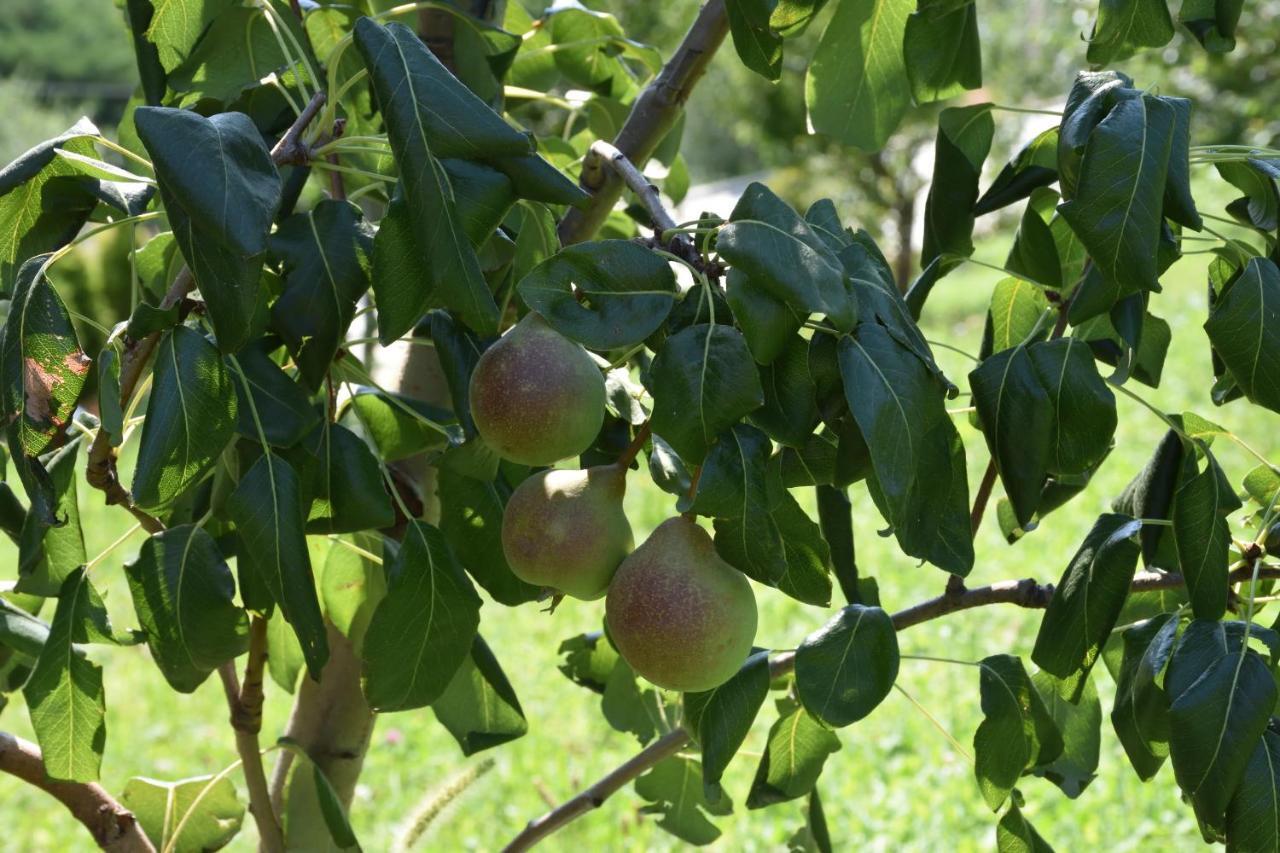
(897, 783)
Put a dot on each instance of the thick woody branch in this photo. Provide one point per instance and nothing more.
(245, 704)
(654, 114)
(1021, 593)
(112, 826)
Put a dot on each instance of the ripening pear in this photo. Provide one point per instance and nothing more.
(681, 616)
(536, 396)
(565, 530)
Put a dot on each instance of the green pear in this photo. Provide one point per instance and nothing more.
(536, 396)
(565, 530)
(681, 616)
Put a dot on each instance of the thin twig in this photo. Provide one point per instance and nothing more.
(633, 449)
(290, 149)
(1026, 593)
(245, 703)
(112, 826)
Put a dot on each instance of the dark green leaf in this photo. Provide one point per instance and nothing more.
(1260, 206)
(269, 400)
(835, 520)
(588, 660)
(1212, 22)
(1035, 165)
(857, 86)
(1253, 817)
(64, 692)
(344, 480)
(1126, 26)
(675, 791)
(183, 595)
(1016, 730)
(737, 480)
(479, 707)
(702, 380)
(790, 410)
(1087, 600)
(1179, 206)
(1222, 695)
(1244, 328)
(422, 630)
(943, 54)
(1035, 250)
(847, 667)
(786, 551)
(1201, 535)
(1116, 209)
(190, 419)
(471, 519)
(605, 295)
(1080, 725)
(50, 549)
(481, 195)
(721, 718)
(42, 367)
(797, 747)
(220, 191)
(267, 510)
(758, 46)
(1150, 495)
(21, 631)
(535, 179)
(325, 254)
(1092, 95)
(430, 114)
(766, 321)
(1140, 714)
(398, 426)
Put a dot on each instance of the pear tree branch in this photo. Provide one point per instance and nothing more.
(654, 114)
(245, 702)
(1027, 593)
(112, 826)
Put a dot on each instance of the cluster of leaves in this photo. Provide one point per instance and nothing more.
(791, 362)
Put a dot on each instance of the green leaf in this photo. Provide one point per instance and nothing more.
(1212, 22)
(847, 667)
(785, 550)
(479, 706)
(44, 200)
(481, 195)
(1080, 725)
(1034, 254)
(964, 140)
(1017, 307)
(352, 585)
(344, 481)
(1116, 208)
(190, 419)
(857, 87)
(767, 322)
(1140, 714)
(636, 707)
(1044, 410)
(605, 295)
(42, 367)
(220, 190)
(50, 549)
(1244, 328)
(471, 520)
(588, 660)
(1179, 205)
(430, 114)
(1253, 817)
(1260, 206)
(721, 718)
(278, 402)
(325, 254)
(422, 630)
(794, 754)
(1150, 495)
(943, 53)
(674, 790)
(758, 46)
(64, 692)
(176, 27)
(835, 522)
(916, 453)
(21, 631)
(207, 809)
(1126, 26)
(398, 426)
(1016, 731)
(790, 410)
(702, 380)
(780, 253)
(234, 54)
(1222, 695)
(267, 510)
(183, 594)
(737, 479)
(1087, 600)
(284, 652)
(1201, 535)
(1035, 165)
(1015, 834)
(309, 793)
